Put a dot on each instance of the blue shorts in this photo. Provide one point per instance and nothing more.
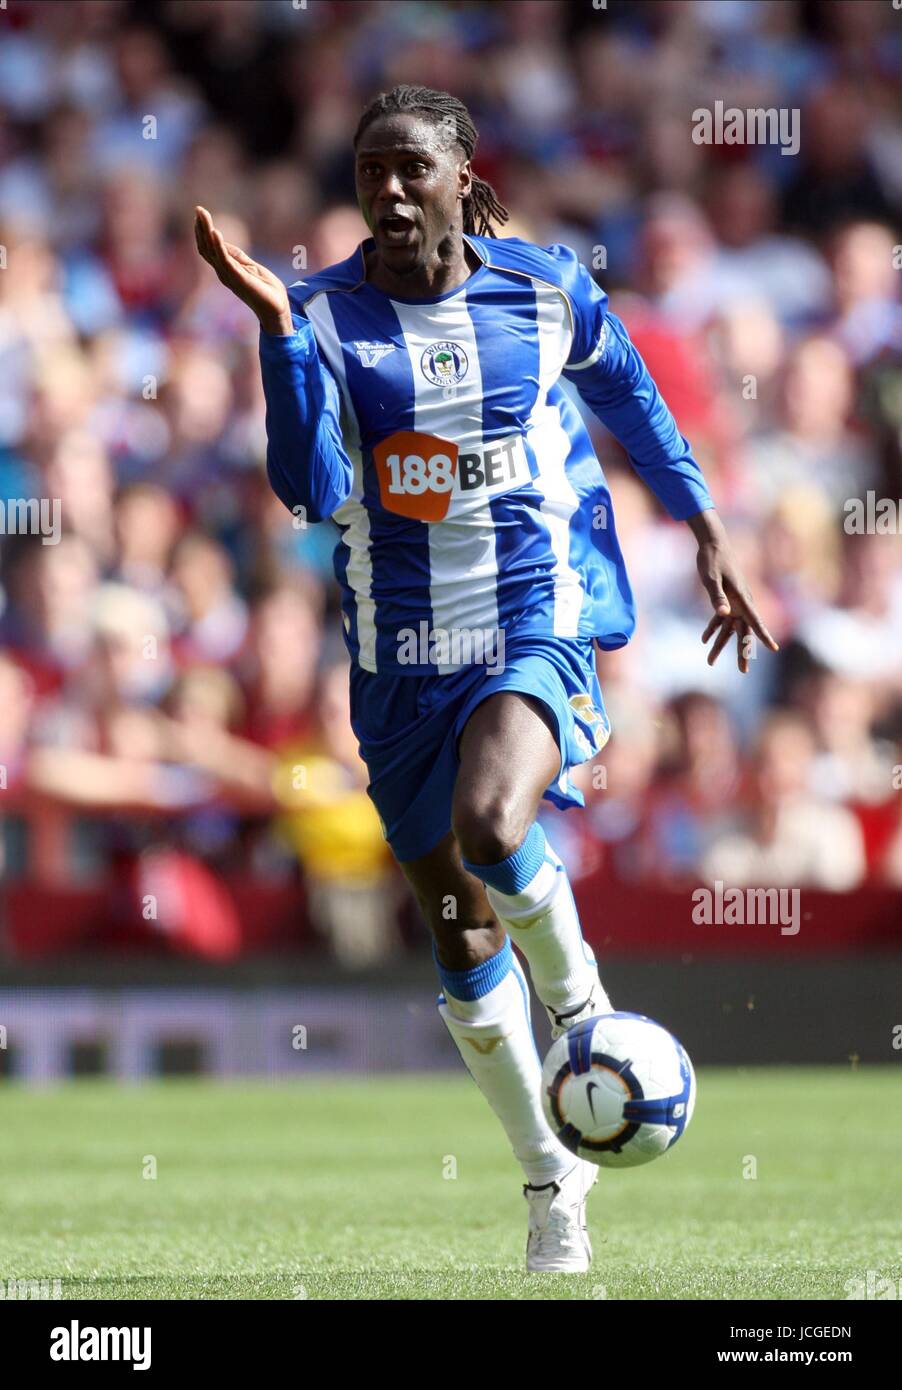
(408, 729)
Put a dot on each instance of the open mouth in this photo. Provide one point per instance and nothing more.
(397, 230)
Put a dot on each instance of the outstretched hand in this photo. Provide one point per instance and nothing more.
(257, 287)
(734, 609)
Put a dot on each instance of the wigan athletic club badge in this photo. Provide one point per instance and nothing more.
(444, 364)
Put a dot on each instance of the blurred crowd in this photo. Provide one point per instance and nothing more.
(173, 687)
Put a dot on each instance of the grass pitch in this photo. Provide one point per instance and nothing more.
(345, 1189)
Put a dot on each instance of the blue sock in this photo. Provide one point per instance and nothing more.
(518, 870)
(475, 983)
(530, 895)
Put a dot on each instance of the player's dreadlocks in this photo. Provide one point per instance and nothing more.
(481, 206)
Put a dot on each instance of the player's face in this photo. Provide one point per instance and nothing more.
(410, 182)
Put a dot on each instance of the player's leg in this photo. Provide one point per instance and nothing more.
(413, 764)
(486, 1010)
(508, 756)
(454, 907)
(485, 1006)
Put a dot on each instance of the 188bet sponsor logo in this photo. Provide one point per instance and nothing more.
(420, 473)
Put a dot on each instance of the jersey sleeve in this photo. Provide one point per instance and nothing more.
(615, 383)
(305, 456)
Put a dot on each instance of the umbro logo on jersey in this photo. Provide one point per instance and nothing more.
(371, 354)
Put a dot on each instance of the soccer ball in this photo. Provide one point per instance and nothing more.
(618, 1089)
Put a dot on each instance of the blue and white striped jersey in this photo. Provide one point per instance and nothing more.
(438, 436)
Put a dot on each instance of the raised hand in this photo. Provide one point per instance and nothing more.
(256, 286)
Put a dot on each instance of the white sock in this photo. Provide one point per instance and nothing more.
(544, 924)
(493, 1034)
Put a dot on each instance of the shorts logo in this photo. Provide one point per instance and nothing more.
(587, 714)
(419, 473)
(444, 364)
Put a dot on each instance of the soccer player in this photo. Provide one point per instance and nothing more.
(413, 395)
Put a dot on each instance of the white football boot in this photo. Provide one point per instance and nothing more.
(558, 1240)
(597, 1003)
